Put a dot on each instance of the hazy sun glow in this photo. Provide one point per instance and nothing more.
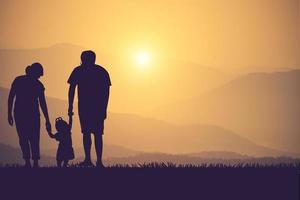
(142, 59)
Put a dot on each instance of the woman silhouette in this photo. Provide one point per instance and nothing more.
(29, 93)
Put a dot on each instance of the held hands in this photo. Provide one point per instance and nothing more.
(10, 120)
(70, 114)
(49, 131)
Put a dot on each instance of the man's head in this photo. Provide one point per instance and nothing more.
(35, 70)
(88, 57)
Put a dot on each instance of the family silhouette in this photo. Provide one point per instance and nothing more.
(27, 94)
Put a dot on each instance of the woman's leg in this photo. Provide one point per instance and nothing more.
(24, 142)
(35, 142)
(35, 163)
(35, 151)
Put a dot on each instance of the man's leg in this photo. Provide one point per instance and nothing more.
(99, 148)
(59, 162)
(87, 143)
(99, 145)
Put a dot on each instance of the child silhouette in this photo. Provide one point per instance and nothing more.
(65, 151)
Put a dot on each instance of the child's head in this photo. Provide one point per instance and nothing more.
(61, 125)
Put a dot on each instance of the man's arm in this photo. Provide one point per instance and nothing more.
(106, 100)
(44, 108)
(71, 98)
(70, 122)
(12, 94)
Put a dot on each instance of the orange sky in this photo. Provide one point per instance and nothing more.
(233, 33)
(173, 60)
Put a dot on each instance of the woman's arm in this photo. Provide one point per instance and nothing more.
(44, 108)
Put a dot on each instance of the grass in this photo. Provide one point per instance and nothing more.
(154, 181)
(170, 165)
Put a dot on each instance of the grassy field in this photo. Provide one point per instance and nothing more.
(168, 165)
(153, 181)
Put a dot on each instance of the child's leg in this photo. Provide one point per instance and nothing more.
(66, 162)
(59, 162)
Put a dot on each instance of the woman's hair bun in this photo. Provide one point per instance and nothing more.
(36, 69)
(27, 70)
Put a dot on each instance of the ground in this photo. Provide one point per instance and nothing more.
(156, 181)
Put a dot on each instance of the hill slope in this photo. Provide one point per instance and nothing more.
(262, 107)
(145, 134)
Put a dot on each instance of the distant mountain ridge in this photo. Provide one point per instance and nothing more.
(12, 156)
(198, 160)
(264, 107)
(255, 114)
(145, 134)
(109, 151)
(219, 155)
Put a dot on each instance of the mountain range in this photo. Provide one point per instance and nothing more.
(145, 134)
(264, 107)
(12, 156)
(255, 114)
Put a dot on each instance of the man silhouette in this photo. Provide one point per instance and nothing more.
(93, 83)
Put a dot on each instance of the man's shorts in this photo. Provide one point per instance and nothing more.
(91, 125)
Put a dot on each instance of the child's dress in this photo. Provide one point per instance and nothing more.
(65, 150)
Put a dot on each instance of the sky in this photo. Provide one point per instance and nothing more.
(170, 60)
(219, 33)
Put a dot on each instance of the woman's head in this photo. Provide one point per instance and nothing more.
(61, 125)
(35, 70)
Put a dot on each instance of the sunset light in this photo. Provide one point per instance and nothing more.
(142, 59)
(195, 83)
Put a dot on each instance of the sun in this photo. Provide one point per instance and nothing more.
(142, 59)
